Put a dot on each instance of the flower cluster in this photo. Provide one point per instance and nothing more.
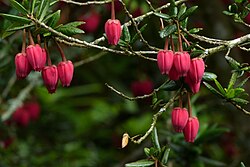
(34, 58)
(182, 121)
(179, 64)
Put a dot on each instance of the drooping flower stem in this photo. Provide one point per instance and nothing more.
(47, 53)
(30, 38)
(179, 36)
(39, 39)
(61, 51)
(24, 41)
(172, 43)
(113, 10)
(166, 44)
(189, 105)
(180, 100)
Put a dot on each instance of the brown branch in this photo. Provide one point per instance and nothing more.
(87, 3)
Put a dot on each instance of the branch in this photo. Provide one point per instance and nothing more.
(155, 118)
(86, 3)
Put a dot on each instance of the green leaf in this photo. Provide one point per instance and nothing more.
(147, 151)
(195, 30)
(163, 15)
(233, 8)
(20, 27)
(14, 18)
(53, 2)
(232, 80)
(33, 4)
(164, 159)
(75, 23)
(182, 10)
(168, 31)
(219, 86)
(209, 76)
(43, 9)
(230, 93)
(18, 7)
(126, 34)
(136, 36)
(155, 140)
(233, 63)
(70, 29)
(228, 13)
(211, 161)
(242, 164)
(195, 52)
(213, 90)
(189, 12)
(140, 163)
(238, 91)
(241, 84)
(240, 101)
(53, 19)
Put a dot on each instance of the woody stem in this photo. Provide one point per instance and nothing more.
(39, 39)
(61, 51)
(24, 41)
(113, 10)
(189, 105)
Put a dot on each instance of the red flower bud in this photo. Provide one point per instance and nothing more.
(179, 118)
(65, 72)
(33, 108)
(23, 67)
(165, 60)
(140, 88)
(191, 129)
(113, 31)
(21, 117)
(36, 57)
(173, 74)
(50, 78)
(182, 63)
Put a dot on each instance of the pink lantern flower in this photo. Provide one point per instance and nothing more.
(179, 118)
(23, 67)
(50, 78)
(191, 129)
(165, 60)
(113, 31)
(36, 57)
(65, 72)
(182, 63)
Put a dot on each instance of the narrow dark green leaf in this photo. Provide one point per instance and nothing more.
(182, 10)
(53, 20)
(164, 159)
(155, 140)
(213, 90)
(230, 93)
(189, 12)
(140, 163)
(241, 84)
(20, 27)
(126, 34)
(122, 43)
(240, 101)
(233, 8)
(238, 91)
(136, 36)
(18, 7)
(147, 151)
(75, 24)
(208, 76)
(232, 80)
(195, 30)
(242, 164)
(70, 29)
(219, 86)
(211, 161)
(33, 4)
(168, 31)
(53, 2)
(233, 63)
(195, 52)
(43, 9)
(163, 15)
(228, 13)
(14, 18)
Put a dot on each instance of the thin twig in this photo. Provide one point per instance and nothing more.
(89, 59)
(155, 118)
(87, 3)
